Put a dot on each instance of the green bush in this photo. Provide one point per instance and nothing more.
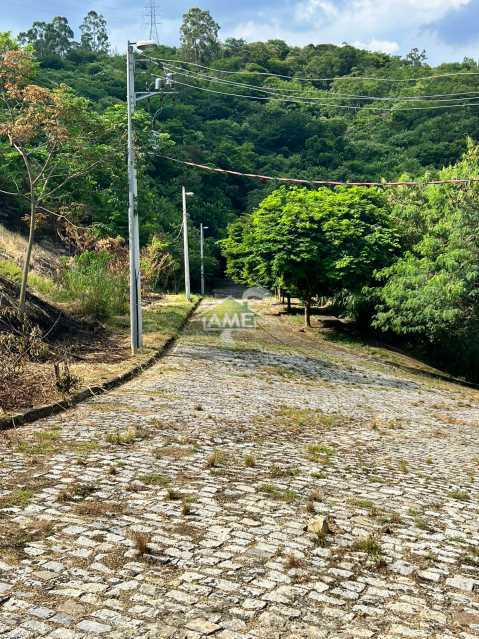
(99, 290)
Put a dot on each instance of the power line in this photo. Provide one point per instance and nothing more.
(311, 101)
(444, 97)
(270, 178)
(333, 79)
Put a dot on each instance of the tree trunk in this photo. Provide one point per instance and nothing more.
(307, 313)
(288, 297)
(28, 255)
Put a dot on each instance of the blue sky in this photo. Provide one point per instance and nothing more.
(447, 29)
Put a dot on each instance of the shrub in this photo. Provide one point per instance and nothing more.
(100, 290)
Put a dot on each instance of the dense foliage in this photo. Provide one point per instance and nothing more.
(406, 256)
(431, 292)
(312, 244)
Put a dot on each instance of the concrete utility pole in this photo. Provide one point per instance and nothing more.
(136, 321)
(133, 97)
(186, 254)
(202, 256)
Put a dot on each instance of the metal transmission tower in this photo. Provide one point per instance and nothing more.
(152, 11)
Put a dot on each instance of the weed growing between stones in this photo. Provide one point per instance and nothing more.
(320, 453)
(370, 545)
(99, 508)
(14, 538)
(154, 479)
(277, 472)
(76, 492)
(459, 495)
(17, 499)
(140, 541)
(293, 562)
(279, 494)
(249, 461)
(215, 459)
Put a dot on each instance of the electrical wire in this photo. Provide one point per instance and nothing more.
(212, 169)
(333, 79)
(333, 96)
(285, 98)
(329, 96)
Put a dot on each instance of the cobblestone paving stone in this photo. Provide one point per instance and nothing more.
(177, 505)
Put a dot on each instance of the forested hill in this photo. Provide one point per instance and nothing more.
(321, 133)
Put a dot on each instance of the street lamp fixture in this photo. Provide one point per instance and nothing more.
(144, 45)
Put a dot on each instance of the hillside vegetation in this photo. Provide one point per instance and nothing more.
(320, 112)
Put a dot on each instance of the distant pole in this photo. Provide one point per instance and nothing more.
(202, 256)
(136, 323)
(185, 246)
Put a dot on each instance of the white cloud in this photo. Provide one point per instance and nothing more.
(390, 26)
(383, 46)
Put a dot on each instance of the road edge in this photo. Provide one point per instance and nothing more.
(48, 410)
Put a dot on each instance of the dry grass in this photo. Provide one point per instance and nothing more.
(14, 538)
(249, 461)
(76, 492)
(99, 508)
(277, 472)
(174, 452)
(141, 541)
(293, 562)
(215, 459)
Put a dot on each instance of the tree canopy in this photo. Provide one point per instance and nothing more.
(312, 243)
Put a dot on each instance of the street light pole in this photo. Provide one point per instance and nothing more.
(202, 256)
(136, 322)
(185, 245)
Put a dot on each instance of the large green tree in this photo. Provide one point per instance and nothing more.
(312, 243)
(199, 36)
(94, 33)
(49, 38)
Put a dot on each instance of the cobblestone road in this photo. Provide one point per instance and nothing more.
(177, 505)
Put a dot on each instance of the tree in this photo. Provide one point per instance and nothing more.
(49, 38)
(312, 243)
(199, 36)
(416, 58)
(430, 293)
(7, 43)
(94, 34)
(55, 140)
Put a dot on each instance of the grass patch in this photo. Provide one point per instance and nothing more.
(129, 437)
(215, 459)
(277, 472)
(320, 453)
(43, 443)
(289, 418)
(76, 492)
(369, 545)
(14, 538)
(459, 495)
(99, 508)
(17, 499)
(174, 452)
(154, 479)
(249, 461)
(279, 494)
